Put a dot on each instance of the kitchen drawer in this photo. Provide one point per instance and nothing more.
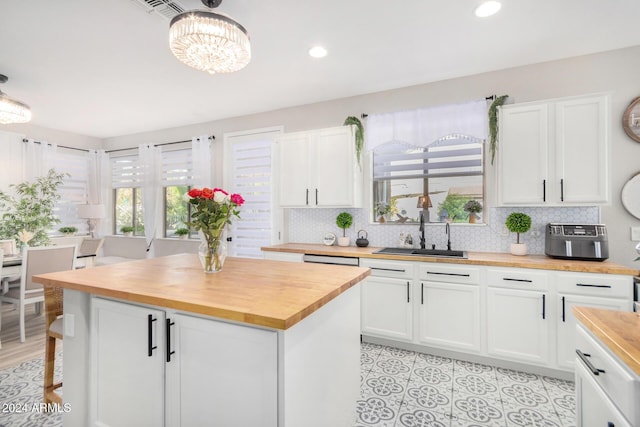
(449, 273)
(387, 268)
(518, 278)
(616, 380)
(605, 285)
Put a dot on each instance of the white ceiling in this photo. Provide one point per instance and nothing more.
(104, 69)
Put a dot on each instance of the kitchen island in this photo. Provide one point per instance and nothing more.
(262, 343)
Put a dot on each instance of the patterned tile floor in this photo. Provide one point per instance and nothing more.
(405, 388)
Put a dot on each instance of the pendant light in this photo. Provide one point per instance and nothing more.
(11, 110)
(208, 41)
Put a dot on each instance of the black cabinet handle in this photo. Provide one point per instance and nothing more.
(587, 285)
(150, 346)
(517, 280)
(387, 269)
(448, 274)
(544, 306)
(563, 312)
(408, 299)
(307, 202)
(593, 369)
(562, 190)
(316, 197)
(610, 424)
(169, 324)
(421, 293)
(544, 190)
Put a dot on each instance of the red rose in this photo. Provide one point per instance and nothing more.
(207, 193)
(195, 192)
(237, 199)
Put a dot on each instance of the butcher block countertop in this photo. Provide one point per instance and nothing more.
(618, 330)
(499, 259)
(274, 294)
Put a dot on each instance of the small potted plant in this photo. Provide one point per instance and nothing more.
(68, 231)
(344, 221)
(382, 209)
(182, 232)
(127, 230)
(473, 207)
(518, 222)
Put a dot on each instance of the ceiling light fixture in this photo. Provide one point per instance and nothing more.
(317, 52)
(12, 111)
(208, 41)
(488, 8)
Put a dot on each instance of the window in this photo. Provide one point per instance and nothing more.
(74, 189)
(126, 182)
(177, 177)
(449, 171)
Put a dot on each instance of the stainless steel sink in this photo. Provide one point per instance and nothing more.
(424, 252)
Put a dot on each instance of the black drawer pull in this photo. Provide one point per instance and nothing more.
(421, 293)
(150, 346)
(610, 424)
(408, 299)
(169, 324)
(387, 269)
(517, 280)
(448, 274)
(587, 285)
(593, 369)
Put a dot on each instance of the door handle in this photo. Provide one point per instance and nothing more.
(169, 324)
(307, 200)
(544, 190)
(408, 299)
(421, 293)
(562, 190)
(563, 312)
(150, 346)
(544, 306)
(316, 197)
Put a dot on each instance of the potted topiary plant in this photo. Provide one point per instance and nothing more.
(473, 207)
(344, 221)
(127, 230)
(518, 222)
(182, 232)
(68, 231)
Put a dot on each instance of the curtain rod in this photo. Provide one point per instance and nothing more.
(61, 146)
(155, 145)
(488, 98)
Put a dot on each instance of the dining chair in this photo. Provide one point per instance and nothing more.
(88, 246)
(8, 246)
(54, 316)
(39, 260)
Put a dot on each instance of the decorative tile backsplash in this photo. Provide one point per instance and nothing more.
(310, 225)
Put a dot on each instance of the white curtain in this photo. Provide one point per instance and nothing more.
(100, 187)
(423, 126)
(201, 159)
(150, 163)
(38, 159)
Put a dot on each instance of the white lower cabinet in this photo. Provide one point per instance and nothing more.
(594, 408)
(160, 368)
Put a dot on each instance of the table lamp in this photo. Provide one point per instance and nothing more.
(91, 213)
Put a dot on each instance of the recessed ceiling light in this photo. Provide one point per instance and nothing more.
(318, 52)
(488, 8)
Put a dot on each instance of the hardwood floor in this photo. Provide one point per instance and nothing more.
(13, 352)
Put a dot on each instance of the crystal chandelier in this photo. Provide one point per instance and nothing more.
(209, 41)
(12, 111)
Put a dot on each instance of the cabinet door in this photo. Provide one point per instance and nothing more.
(334, 163)
(450, 315)
(293, 169)
(523, 155)
(566, 338)
(387, 308)
(593, 406)
(221, 374)
(518, 325)
(582, 150)
(127, 359)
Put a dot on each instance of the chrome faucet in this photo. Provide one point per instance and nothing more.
(447, 230)
(421, 229)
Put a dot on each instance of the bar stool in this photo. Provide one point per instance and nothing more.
(53, 312)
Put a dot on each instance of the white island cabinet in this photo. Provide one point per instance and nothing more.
(158, 342)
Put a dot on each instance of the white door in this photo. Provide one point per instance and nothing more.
(566, 338)
(582, 150)
(221, 374)
(450, 315)
(127, 359)
(334, 159)
(518, 325)
(293, 170)
(387, 308)
(523, 155)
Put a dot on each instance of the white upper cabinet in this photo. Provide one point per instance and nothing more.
(318, 168)
(554, 153)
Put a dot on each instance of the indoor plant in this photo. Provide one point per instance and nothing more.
(182, 232)
(359, 135)
(69, 231)
(518, 222)
(29, 213)
(127, 230)
(382, 209)
(344, 221)
(493, 124)
(212, 210)
(473, 207)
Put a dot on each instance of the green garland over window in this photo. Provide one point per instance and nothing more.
(493, 124)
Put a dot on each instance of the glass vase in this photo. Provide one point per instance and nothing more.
(212, 255)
